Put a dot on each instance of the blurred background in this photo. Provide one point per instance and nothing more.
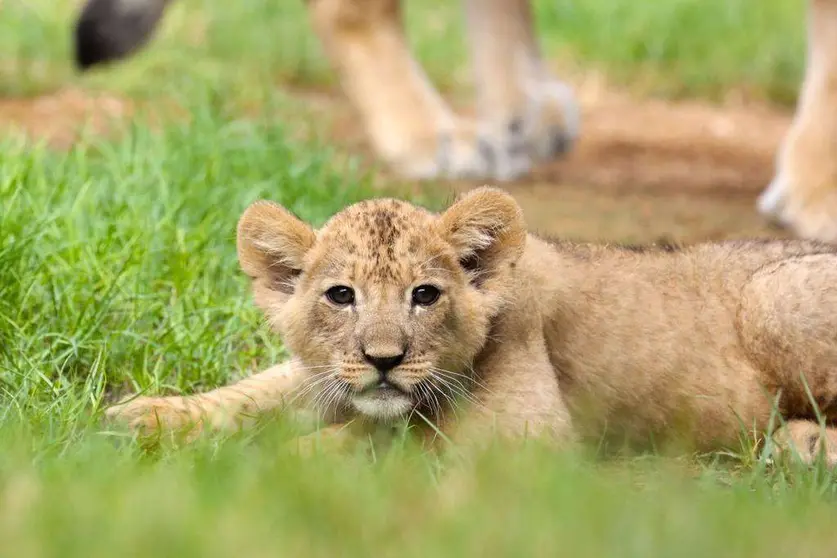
(684, 101)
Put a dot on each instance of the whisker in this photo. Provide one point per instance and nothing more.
(308, 389)
(453, 381)
(443, 374)
(465, 395)
(432, 400)
(311, 381)
(423, 398)
(451, 400)
(324, 394)
(336, 397)
(472, 377)
(458, 390)
(437, 403)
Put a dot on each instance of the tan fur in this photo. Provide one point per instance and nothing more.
(228, 408)
(803, 194)
(523, 113)
(570, 341)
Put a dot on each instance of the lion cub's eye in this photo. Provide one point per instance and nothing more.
(425, 295)
(341, 295)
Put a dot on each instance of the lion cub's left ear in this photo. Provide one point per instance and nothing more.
(486, 228)
(272, 244)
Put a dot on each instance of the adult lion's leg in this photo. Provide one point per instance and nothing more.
(227, 408)
(407, 121)
(803, 194)
(525, 114)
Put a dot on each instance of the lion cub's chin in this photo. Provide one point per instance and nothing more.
(382, 406)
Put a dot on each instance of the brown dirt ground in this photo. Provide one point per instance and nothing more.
(59, 117)
(643, 170)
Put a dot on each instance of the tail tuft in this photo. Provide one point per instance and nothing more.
(109, 30)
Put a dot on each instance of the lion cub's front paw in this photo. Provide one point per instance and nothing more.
(149, 416)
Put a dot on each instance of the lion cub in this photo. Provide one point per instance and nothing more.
(463, 318)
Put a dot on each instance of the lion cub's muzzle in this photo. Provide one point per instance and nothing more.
(388, 390)
(384, 363)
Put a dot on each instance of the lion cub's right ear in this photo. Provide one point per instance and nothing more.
(272, 244)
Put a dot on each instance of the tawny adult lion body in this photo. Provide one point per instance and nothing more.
(389, 308)
(524, 114)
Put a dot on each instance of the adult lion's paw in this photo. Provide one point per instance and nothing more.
(803, 194)
(809, 209)
(552, 119)
(504, 144)
(542, 126)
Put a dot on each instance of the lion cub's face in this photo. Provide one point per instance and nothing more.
(387, 304)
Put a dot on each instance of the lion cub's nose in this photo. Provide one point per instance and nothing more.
(383, 363)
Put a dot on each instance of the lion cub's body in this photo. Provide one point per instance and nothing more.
(643, 341)
(569, 341)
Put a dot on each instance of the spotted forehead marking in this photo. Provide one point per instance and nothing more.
(382, 236)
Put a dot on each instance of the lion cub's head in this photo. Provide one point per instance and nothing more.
(387, 303)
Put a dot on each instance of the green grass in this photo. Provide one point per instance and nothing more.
(118, 273)
(245, 499)
(697, 48)
(684, 48)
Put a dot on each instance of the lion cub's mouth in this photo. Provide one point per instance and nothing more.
(383, 389)
(383, 401)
